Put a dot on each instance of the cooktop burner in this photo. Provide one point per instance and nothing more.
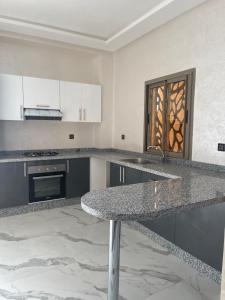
(40, 153)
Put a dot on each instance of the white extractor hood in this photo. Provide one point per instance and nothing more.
(42, 114)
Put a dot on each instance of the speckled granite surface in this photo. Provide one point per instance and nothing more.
(37, 206)
(18, 156)
(154, 199)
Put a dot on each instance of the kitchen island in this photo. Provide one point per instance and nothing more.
(149, 200)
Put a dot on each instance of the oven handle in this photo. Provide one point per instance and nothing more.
(45, 177)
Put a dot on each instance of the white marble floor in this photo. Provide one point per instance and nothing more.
(62, 254)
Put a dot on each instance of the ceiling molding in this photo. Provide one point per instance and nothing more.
(162, 13)
(143, 18)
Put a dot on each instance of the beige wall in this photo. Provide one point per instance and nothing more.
(54, 61)
(103, 132)
(19, 135)
(195, 39)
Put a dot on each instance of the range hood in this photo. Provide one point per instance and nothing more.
(42, 114)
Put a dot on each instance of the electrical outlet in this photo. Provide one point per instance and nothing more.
(221, 147)
(122, 136)
(71, 136)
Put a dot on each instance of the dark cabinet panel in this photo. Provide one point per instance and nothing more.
(120, 175)
(77, 177)
(164, 226)
(115, 175)
(132, 176)
(13, 184)
(201, 233)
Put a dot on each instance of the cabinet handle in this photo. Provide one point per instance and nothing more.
(67, 166)
(123, 175)
(80, 114)
(21, 112)
(120, 174)
(25, 169)
(42, 105)
(84, 114)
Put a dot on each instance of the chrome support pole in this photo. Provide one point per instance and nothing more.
(114, 260)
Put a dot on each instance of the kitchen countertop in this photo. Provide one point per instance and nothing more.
(168, 169)
(186, 187)
(154, 199)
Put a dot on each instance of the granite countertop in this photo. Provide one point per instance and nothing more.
(185, 188)
(18, 156)
(154, 199)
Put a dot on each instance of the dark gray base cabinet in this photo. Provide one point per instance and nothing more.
(14, 189)
(164, 226)
(120, 175)
(77, 177)
(200, 232)
(133, 176)
(115, 175)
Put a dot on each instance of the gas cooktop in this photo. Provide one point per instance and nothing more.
(40, 153)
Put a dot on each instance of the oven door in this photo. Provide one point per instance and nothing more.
(46, 186)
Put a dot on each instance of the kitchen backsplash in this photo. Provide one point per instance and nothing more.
(44, 135)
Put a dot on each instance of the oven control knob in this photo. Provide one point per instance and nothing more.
(47, 169)
(39, 169)
(55, 168)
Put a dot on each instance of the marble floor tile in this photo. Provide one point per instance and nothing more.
(181, 291)
(62, 254)
(204, 286)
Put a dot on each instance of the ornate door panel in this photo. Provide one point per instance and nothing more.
(157, 119)
(175, 116)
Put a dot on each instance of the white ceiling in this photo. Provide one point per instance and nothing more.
(102, 24)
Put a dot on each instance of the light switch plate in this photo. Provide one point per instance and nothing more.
(221, 147)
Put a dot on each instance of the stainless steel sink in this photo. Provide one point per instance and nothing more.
(138, 160)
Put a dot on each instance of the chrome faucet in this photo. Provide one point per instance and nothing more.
(158, 148)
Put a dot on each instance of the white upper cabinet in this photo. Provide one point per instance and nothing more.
(11, 97)
(71, 94)
(91, 103)
(80, 102)
(41, 93)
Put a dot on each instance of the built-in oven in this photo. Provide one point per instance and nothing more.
(47, 182)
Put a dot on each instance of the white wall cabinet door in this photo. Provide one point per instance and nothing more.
(80, 102)
(71, 94)
(11, 97)
(41, 93)
(91, 104)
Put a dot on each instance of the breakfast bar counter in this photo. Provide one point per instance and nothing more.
(148, 200)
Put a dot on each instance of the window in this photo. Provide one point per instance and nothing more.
(169, 114)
